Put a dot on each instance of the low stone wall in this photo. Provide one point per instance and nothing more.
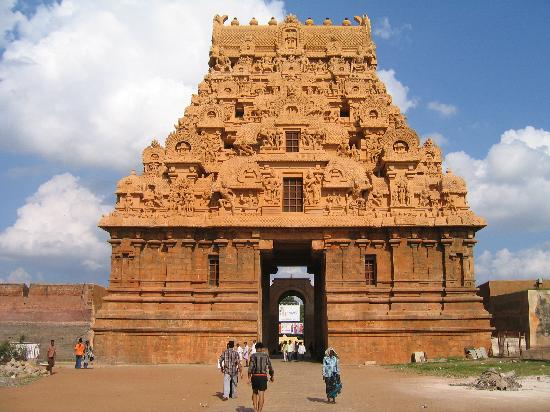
(41, 312)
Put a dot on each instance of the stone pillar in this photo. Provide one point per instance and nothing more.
(446, 243)
(201, 261)
(137, 245)
(469, 275)
(188, 274)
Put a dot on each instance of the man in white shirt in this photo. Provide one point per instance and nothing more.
(301, 350)
(240, 352)
(253, 348)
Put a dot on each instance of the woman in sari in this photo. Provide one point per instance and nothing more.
(88, 355)
(331, 375)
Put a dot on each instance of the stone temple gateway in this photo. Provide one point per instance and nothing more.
(291, 153)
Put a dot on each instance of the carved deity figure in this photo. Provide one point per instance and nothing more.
(312, 188)
(222, 62)
(401, 194)
(227, 198)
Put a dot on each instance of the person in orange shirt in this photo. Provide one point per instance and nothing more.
(79, 352)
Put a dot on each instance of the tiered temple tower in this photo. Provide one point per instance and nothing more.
(291, 152)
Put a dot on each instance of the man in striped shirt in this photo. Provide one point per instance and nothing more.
(258, 369)
(230, 365)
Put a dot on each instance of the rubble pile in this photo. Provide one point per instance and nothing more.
(491, 380)
(21, 369)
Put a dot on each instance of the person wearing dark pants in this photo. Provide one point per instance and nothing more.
(51, 357)
(259, 368)
(78, 353)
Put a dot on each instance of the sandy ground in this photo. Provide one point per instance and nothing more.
(298, 386)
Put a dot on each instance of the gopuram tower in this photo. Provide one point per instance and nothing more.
(291, 154)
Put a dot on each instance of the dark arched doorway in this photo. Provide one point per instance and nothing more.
(293, 269)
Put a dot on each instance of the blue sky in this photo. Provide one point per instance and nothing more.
(85, 85)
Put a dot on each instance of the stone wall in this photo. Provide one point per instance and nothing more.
(41, 312)
(539, 317)
(518, 306)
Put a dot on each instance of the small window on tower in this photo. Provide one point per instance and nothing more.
(370, 270)
(214, 271)
(292, 141)
(344, 111)
(239, 111)
(293, 196)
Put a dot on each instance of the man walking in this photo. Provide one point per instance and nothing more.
(51, 357)
(79, 352)
(301, 350)
(260, 367)
(230, 365)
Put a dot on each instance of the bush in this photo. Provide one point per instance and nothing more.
(8, 351)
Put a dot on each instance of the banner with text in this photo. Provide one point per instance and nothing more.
(289, 313)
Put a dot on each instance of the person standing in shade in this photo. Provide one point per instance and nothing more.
(331, 375)
(88, 355)
(289, 350)
(260, 367)
(301, 350)
(51, 357)
(246, 354)
(295, 349)
(230, 365)
(79, 349)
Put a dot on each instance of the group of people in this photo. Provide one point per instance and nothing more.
(293, 350)
(260, 368)
(83, 353)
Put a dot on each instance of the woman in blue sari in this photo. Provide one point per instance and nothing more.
(331, 375)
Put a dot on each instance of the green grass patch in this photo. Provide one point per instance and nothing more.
(461, 368)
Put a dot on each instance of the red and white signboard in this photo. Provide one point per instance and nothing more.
(291, 328)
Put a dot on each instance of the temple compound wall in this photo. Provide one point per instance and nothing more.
(41, 312)
(291, 153)
(519, 308)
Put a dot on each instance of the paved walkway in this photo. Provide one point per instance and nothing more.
(298, 387)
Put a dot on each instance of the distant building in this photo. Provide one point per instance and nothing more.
(39, 313)
(521, 314)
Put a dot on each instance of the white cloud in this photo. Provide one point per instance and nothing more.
(398, 91)
(511, 185)
(18, 275)
(529, 263)
(59, 221)
(8, 20)
(443, 109)
(438, 138)
(93, 81)
(385, 30)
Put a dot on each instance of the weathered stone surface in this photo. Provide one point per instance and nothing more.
(280, 101)
(44, 312)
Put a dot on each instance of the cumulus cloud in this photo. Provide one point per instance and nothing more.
(529, 263)
(511, 185)
(18, 275)
(58, 221)
(443, 109)
(398, 91)
(93, 81)
(385, 30)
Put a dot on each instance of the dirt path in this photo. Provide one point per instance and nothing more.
(298, 387)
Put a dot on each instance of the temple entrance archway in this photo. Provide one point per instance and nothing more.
(292, 269)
